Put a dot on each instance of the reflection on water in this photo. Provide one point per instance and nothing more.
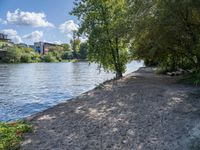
(26, 89)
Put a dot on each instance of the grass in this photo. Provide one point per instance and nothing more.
(192, 79)
(11, 134)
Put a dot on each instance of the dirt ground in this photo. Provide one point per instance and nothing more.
(142, 111)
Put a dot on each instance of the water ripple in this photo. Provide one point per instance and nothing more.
(26, 89)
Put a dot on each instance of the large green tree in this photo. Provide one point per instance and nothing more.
(166, 32)
(104, 23)
(83, 50)
(75, 45)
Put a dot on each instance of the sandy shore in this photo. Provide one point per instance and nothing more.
(142, 111)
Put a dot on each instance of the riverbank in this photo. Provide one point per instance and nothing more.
(62, 61)
(140, 111)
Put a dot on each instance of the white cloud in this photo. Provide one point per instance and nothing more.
(12, 34)
(19, 17)
(3, 21)
(17, 39)
(34, 36)
(69, 35)
(68, 27)
(58, 42)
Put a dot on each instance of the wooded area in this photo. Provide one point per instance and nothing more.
(164, 33)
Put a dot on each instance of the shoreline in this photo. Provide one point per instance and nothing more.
(63, 61)
(99, 86)
(85, 82)
(142, 110)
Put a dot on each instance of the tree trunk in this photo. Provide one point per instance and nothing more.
(119, 74)
(119, 67)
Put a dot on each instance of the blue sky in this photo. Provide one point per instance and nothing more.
(30, 21)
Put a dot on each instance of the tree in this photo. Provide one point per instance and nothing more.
(57, 52)
(13, 55)
(66, 47)
(165, 33)
(49, 57)
(67, 55)
(104, 23)
(75, 45)
(83, 50)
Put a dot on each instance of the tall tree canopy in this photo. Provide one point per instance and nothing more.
(75, 45)
(166, 32)
(104, 23)
(161, 32)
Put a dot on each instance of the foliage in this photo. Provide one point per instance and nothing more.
(49, 58)
(56, 52)
(193, 79)
(11, 134)
(166, 34)
(104, 23)
(26, 58)
(75, 45)
(18, 54)
(67, 55)
(66, 47)
(83, 50)
(36, 57)
(3, 44)
(13, 55)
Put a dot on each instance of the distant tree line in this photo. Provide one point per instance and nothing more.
(64, 52)
(163, 33)
(17, 54)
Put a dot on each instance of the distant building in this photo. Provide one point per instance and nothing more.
(43, 47)
(4, 37)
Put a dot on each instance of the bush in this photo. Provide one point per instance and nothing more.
(83, 50)
(67, 55)
(13, 55)
(150, 63)
(26, 58)
(20, 54)
(193, 79)
(11, 134)
(36, 57)
(49, 58)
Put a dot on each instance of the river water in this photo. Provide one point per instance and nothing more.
(26, 89)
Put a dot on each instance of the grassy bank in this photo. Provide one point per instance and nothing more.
(11, 134)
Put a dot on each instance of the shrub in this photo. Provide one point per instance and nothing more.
(26, 58)
(67, 55)
(11, 134)
(193, 79)
(49, 58)
(13, 55)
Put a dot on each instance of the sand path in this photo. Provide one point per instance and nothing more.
(142, 111)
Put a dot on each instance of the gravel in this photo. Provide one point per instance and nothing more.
(141, 111)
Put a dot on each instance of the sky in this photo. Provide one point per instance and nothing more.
(29, 21)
